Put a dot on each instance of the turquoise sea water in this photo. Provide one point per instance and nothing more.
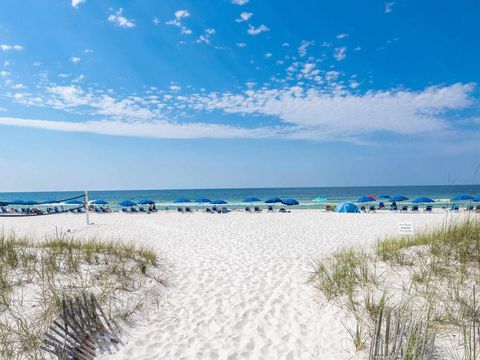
(441, 194)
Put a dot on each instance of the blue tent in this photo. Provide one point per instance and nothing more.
(178, 201)
(347, 207)
(98, 202)
(422, 200)
(251, 199)
(462, 198)
(74, 202)
(273, 200)
(290, 202)
(218, 202)
(203, 201)
(319, 198)
(127, 203)
(399, 198)
(365, 199)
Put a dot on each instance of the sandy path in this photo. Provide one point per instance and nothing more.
(237, 289)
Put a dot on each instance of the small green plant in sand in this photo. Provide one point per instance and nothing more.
(36, 275)
(433, 273)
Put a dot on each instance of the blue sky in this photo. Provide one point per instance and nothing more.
(237, 93)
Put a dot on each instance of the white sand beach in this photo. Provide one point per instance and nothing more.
(237, 286)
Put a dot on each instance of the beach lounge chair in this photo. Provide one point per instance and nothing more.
(404, 208)
(124, 210)
(328, 208)
(469, 208)
(257, 209)
(363, 208)
(429, 208)
(270, 208)
(142, 209)
(247, 208)
(225, 210)
(98, 210)
(478, 207)
(187, 209)
(414, 207)
(371, 208)
(180, 209)
(208, 210)
(282, 210)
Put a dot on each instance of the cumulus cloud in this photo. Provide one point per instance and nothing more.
(342, 36)
(75, 59)
(205, 37)
(340, 53)
(177, 21)
(7, 47)
(302, 49)
(389, 7)
(241, 44)
(77, 3)
(117, 18)
(252, 30)
(240, 2)
(244, 16)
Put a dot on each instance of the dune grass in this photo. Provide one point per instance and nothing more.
(35, 276)
(432, 274)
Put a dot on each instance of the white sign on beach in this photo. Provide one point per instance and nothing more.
(405, 229)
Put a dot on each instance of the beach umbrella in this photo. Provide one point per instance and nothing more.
(18, 202)
(203, 201)
(273, 200)
(74, 202)
(146, 202)
(218, 202)
(3, 203)
(178, 201)
(477, 199)
(98, 202)
(372, 196)
(290, 202)
(422, 200)
(319, 198)
(384, 197)
(30, 202)
(399, 198)
(347, 207)
(251, 199)
(127, 203)
(365, 199)
(463, 198)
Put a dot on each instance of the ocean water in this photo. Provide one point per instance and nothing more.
(441, 194)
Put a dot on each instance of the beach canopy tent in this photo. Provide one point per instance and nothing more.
(74, 202)
(146, 202)
(203, 201)
(462, 198)
(347, 207)
(127, 203)
(384, 197)
(273, 200)
(290, 202)
(251, 199)
(365, 199)
(179, 201)
(218, 202)
(319, 199)
(422, 200)
(98, 202)
(399, 198)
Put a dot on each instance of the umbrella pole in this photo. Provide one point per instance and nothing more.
(85, 200)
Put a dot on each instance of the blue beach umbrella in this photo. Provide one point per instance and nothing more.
(74, 202)
(347, 207)
(399, 198)
(146, 202)
(365, 199)
(98, 202)
(203, 201)
(463, 198)
(422, 200)
(30, 202)
(179, 201)
(319, 199)
(477, 199)
(290, 202)
(17, 202)
(386, 197)
(218, 202)
(273, 200)
(251, 199)
(127, 203)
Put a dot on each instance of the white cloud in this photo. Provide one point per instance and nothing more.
(118, 19)
(4, 74)
(244, 16)
(76, 3)
(179, 15)
(255, 31)
(175, 88)
(205, 38)
(389, 7)
(342, 36)
(88, 51)
(7, 47)
(240, 2)
(340, 53)
(285, 44)
(241, 44)
(302, 49)
(75, 59)
(156, 20)
(268, 55)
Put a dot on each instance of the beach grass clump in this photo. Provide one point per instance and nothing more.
(35, 276)
(433, 273)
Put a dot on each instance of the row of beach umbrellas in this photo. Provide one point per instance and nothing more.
(419, 200)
